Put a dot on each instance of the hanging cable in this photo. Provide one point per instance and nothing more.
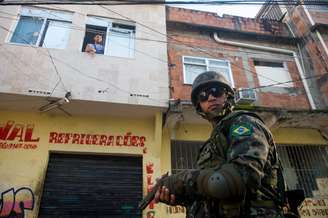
(149, 2)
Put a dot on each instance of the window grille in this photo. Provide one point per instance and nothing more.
(184, 155)
(303, 164)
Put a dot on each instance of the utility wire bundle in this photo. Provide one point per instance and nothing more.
(161, 2)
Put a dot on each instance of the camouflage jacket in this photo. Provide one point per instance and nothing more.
(241, 138)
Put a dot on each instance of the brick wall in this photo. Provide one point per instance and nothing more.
(227, 21)
(314, 56)
(319, 16)
(189, 44)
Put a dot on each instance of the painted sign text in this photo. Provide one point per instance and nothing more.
(97, 139)
(17, 136)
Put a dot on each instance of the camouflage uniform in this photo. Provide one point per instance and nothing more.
(241, 140)
(239, 174)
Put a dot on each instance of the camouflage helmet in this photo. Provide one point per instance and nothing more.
(206, 79)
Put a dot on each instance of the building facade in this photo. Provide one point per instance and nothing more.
(262, 62)
(81, 131)
(308, 23)
(86, 133)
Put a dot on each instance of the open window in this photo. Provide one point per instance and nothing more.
(117, 37)
(42, 27)
(89, 39)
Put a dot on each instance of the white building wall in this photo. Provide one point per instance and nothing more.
(139, 80)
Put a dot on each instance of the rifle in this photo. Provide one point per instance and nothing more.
(151, 195)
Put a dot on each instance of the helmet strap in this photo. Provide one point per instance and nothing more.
(214, 117)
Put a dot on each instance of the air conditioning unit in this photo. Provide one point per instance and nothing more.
(245, 96)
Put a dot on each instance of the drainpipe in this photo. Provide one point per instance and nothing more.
(278, 50)
(317, 32)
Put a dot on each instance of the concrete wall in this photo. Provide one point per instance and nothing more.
(139, 80)
(24, 153)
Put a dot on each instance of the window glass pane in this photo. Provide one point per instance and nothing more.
(192, 71)
(214, 63)
(194, 60)
(120, 43)
(57, 34)
(221, 70)
(27, 30)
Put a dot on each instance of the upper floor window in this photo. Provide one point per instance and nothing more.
(44, 28)
(194, 66)
(109, 37)
(273, 73)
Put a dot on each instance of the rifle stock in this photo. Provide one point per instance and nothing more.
(151, 195)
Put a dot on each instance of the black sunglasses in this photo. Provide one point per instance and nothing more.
(214, 91)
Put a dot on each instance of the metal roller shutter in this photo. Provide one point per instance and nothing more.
(92, 186)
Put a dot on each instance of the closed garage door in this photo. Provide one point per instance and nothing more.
(92, 186)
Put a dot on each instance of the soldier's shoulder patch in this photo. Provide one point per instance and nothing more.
(242, 129)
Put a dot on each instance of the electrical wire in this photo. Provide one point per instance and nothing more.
(257, 74)
(88, 76)
(259, 87)
(253, 87)
(16, 58)
(152, 29)
(55, 67)
(149, 2)
(75, 27)
(151, 56)
(290, 81)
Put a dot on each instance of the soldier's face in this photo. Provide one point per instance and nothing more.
(215, 100)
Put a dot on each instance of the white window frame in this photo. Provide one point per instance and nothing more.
(44, 14)
(207, 60)
(108, 24)
(285, 67)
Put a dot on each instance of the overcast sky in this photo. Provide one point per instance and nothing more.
(242, 10)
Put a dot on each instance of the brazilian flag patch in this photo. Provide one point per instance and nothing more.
(241, 130)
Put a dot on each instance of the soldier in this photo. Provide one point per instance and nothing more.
(239, 174)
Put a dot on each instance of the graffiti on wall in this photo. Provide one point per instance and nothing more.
(14, 203)
(17, 136)
(97, 139)
(150, 184)
(314, 208)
